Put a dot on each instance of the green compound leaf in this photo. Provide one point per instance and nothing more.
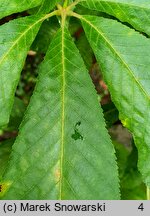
(135, 12)
(63, 150)
(126, 70)
(16, 38)
(8, 7)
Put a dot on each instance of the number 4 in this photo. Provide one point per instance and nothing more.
(141, 207)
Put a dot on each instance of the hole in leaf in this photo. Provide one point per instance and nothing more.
(77, 134)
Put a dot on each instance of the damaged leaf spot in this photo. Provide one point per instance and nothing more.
(57, 175)
(77, 135)
(4, 187)
(125, 122)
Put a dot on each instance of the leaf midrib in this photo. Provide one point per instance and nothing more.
(62, 115)
(118, 54)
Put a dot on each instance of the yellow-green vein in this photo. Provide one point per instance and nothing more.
(63, 109)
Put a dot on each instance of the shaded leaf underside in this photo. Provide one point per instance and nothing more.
(63, 150)
(5, 150)
(124, 57)
(134, 12)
